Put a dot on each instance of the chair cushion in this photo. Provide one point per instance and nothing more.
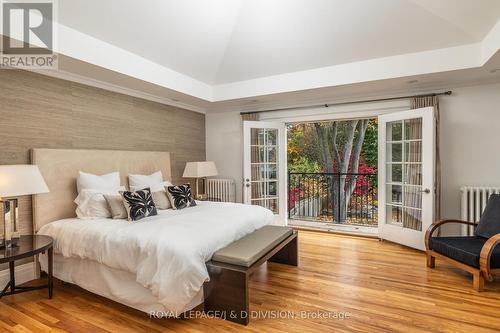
(489, 225)
(464, 249)
(247, 250)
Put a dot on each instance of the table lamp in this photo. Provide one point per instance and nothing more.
(16, 181)
(199, 170)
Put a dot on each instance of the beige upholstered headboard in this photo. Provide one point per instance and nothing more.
(60, 167)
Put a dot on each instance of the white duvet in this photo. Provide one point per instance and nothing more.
(167, 252)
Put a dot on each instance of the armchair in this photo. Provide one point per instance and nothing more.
(478, 254)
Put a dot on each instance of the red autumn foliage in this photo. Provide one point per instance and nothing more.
(294, 195)
(363, 184)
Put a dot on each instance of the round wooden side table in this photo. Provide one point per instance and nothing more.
(28, 246)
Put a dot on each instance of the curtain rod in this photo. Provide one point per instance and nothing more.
(351, 102)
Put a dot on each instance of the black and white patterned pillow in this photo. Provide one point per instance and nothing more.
(139, 204)
(180, 196)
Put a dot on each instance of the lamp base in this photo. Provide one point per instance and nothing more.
(201, 197)
(9, 245)
(16, 237)
(9, 234)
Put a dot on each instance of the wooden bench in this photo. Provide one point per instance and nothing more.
(226, 294)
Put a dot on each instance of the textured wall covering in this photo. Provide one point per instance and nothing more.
(37, 111)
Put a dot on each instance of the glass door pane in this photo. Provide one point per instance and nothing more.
(404, 173)
(264, 163)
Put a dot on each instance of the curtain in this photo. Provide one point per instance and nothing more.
(422, 102)
(250, 116)
(255, 157)
(413, 174)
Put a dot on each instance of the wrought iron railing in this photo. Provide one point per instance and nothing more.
(343, 198)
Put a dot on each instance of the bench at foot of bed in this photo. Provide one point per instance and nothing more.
(226, 294)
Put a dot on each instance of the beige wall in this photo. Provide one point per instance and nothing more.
(225, 146)
(43, 112)
(470, 136)
(470, 130)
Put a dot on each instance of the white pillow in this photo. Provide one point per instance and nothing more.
(154, 181)
(110, 181)
(91, 204)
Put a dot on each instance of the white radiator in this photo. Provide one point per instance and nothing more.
(221, 189)
(474, 200)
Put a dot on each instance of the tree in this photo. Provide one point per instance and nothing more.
(340, 152)
(302, 148)
(370, 145)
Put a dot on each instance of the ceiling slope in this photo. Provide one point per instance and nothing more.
(198, 52)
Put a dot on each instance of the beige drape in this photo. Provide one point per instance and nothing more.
(422, 102)
(413, 174)
(250, 116)
(257, 190)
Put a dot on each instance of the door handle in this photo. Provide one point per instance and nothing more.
(426, 191)
(247, 185)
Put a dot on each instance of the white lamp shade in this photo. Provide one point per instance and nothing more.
(199, 169)
(17, 180)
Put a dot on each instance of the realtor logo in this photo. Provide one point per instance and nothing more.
(28, 34)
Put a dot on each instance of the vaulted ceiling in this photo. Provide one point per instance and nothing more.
(203, 52)
(221, 41)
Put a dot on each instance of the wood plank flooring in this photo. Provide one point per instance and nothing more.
(383, 286)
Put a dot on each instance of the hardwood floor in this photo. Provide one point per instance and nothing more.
(383, 286)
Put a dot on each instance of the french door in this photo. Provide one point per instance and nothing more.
(264, 166)
(406, 176)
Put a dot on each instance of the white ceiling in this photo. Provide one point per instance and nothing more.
(80, 71)
(222, 41)
(233, 55)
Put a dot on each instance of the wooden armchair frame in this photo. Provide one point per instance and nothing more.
(479, 275)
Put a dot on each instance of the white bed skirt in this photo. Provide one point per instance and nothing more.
(117, 285)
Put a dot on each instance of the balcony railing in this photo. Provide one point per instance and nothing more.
(342, 198)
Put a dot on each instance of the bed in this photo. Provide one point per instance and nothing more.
(157, 264)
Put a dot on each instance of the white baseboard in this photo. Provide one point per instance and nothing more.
(23, 273)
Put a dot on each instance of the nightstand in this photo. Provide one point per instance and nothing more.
(28, 246)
